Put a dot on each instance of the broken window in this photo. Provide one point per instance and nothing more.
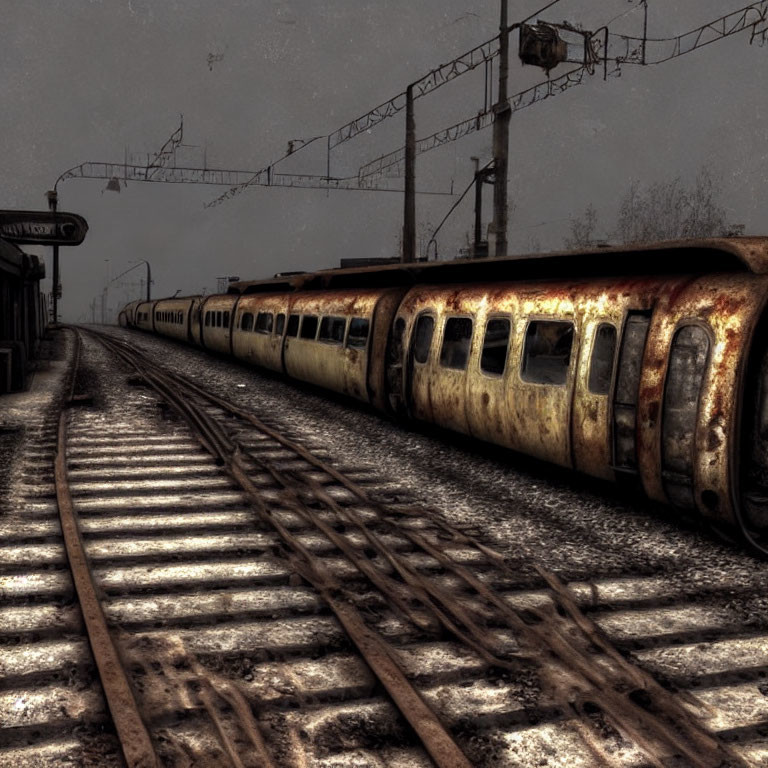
(601, 365)
(280, 325)
(495, 345)
(547, 352)
(332, 329)
(247, 322)
(293, 326)
(309, 327)
(358, 332)
(456, 341)
(425, 326)
(264, 322)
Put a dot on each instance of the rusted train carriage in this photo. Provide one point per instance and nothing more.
(647, 365)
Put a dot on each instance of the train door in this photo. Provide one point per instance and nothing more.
(591, 432)
(448, 374)
(542, 401)
(626, 392)
(418, 369)
(487, 387)
(688, 363)
(395, 373)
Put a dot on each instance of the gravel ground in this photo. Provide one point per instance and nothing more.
(531, 511)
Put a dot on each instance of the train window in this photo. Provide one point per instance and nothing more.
(456, 341)
(601, 365)
(425, 326)
(225, 322)
(309, 327)
(280, 324)
(493, 359)
(218, 319)
(207, 319)
(547, 352)
(358, 332)
(246, 323)
(264, 322)
(293, 326)
(332, 329)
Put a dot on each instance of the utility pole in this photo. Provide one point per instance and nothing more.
(502, 113)
(53, 199)
(409, 215)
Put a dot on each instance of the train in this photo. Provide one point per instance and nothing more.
(645, 365)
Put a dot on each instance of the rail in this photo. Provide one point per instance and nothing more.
(569, 650)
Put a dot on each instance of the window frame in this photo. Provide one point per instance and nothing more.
(288, 334)
(304, 317)
(329, 339)
(364, 345)
(469, 339)
(267, 332)
(614, 359)
(432, 315)
(510, 337)
(521, 367)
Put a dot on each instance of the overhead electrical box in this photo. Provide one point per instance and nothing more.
(542, 46)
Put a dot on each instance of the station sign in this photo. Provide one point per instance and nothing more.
(42, 228)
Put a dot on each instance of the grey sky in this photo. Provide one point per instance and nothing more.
(84, 80)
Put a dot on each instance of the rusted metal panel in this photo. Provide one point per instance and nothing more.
(129, 312)
(254, 345)
(144, 315)
(216, 335)
(591, 416)
(335, 366)
(172, 317)
(726, 306)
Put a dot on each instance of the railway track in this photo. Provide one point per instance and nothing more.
(264, 608)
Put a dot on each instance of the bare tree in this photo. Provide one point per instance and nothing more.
(583, 230)
(668, 210)
(664, 210)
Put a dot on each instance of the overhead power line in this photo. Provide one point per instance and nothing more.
(482, 54)
(445, 73)
(620, 49)
(394, 161)
(660, 50)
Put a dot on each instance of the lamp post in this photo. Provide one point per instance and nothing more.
(53, 199)
(149, 276)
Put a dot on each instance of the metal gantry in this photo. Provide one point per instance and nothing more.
(608, 47)
(599, 46)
